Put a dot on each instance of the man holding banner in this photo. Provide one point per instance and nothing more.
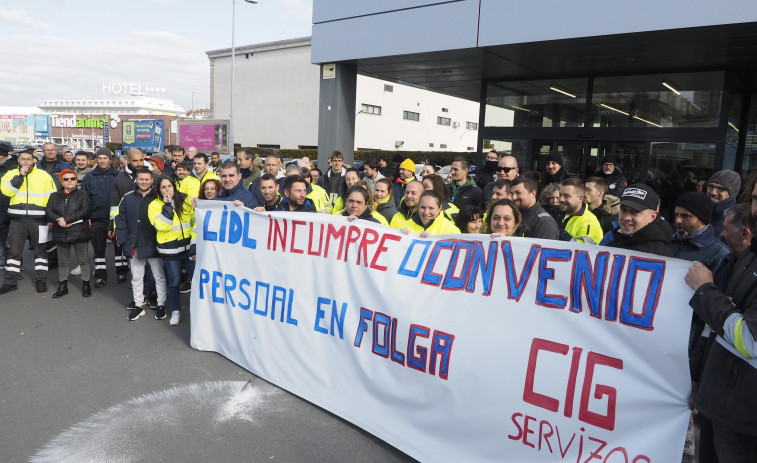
(727, 389)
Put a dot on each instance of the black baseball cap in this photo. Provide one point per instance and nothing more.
(640, 197)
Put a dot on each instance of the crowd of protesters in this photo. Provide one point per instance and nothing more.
(145, 206)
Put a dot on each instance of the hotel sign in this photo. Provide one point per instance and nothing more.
(129, 88)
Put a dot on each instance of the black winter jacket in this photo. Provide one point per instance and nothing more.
(133, 227)
(654, 239)
(75, 209)
(726, 393)
(99, 185)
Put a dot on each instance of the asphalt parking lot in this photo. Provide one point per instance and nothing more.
(81, 383)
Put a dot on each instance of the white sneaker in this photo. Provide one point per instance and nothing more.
(175, 318)
(76, 271)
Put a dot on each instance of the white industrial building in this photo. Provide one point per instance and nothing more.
(276, 104)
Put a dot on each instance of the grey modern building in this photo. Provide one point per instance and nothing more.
(669, 87)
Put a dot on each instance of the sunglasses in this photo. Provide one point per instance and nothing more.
(69, 179)
(505, 169)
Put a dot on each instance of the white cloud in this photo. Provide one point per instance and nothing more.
(64, 68)
(19, 17)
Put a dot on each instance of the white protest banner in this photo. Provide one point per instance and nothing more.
(452, 348)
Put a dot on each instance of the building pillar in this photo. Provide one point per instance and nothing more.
(336, 112)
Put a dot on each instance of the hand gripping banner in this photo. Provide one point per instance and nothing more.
(452, 348)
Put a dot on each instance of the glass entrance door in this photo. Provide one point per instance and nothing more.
(586, 157)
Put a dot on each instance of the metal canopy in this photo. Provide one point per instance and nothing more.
(460, 72)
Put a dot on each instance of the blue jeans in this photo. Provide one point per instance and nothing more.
(173, 277)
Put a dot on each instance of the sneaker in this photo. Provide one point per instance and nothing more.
(135, 313)
(131, 304)
(152, 301)
(160, 314)
(185, 287)
(76, 271)
(100, 282)
(175, 318)
(121, 278)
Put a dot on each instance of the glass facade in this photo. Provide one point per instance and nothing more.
(658, 100)
(749, 161)
(665, 129)
(540, 103)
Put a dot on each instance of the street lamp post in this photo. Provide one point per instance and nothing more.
(233, 53)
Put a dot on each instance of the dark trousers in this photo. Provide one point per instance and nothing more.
(18, 232)
(733, 446)
(99, 242)
(4, 243)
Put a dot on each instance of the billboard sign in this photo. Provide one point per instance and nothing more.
(207, 135)
(146, 135)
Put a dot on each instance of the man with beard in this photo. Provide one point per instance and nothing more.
(605, 207)
(408, 204)
(723, 189)
(538, 223)
(295, 192)
(695, 238)
(612, 176)
(463, 191)
(554, 172)
(578, 222)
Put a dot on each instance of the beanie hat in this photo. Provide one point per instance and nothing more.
(398, 158)
(103, 152)
(610, 159)
(698, 204)
(729, 179)
(555, 156)
(157, 161)
(408, 164)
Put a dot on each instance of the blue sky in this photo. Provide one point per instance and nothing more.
(68, 48)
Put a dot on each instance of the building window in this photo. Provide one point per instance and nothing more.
(445, 110)
(470, 148)
(443, 120)
(442, 146)
(411, 116)
(430, 145)
(471, 126)
(388, 88)
(371, 109)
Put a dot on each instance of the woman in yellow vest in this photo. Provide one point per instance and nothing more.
(436, 183)
(429, 220)
(351, 177)
(173, 217)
